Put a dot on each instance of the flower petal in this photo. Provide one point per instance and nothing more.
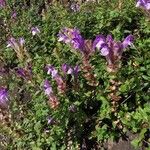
(99, 41)
(128, 41)
(105, 51)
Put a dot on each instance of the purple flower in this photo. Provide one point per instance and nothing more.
(78, 43)
(63, 36)
(112, 49)
(128, 41)
(35, 30)
(67, 69)
(77, 40)
(143, 4)
(109, 46)
(99, 41)
(49, 120)
(14, 44)
(73, 37)
(47, 88)
(14, 15)
(54, 73)
(21, 41)
(3, 97)
(51, 70)
(70, 70)
(53, 101)
(2, 3)
(104, 51)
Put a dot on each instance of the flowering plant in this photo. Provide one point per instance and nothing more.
(76, 87)
(112, 49)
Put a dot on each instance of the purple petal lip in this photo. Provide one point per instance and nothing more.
(99, 41)
(13, 43)
(70, 70)
(21, 41)
(47, 88)
(78, 43)
(3, 96)
(128, 41)
(62, 37)
(51, 70)
(105, 51)
(35, 30)
(71, 36)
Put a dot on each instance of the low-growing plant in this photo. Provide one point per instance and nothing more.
(74, 77)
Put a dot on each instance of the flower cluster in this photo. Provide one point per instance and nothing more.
(2, 3)
(53, 101)
(61, 81)
(143, 4)
(85, 47)
(67, 69)
(74, 38)
(112, 49)
(18, 46)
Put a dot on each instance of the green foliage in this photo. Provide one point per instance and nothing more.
(93, 118)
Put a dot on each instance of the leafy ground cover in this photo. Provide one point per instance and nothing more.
(74, 75)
